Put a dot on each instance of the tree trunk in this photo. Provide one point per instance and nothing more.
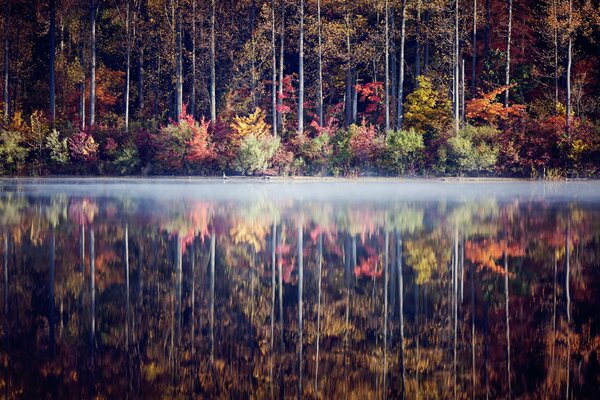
(387, 67)
(400, 112)
(320, 66)
(212, 295)
(555, 34)
(213, 77)
(507, 324)
(52, 60)
(349, 75)
(178, 66)
(401, 305)
(93, 63)
(128, 64)
(126, 259)
(487, 30)
(462, 101)
(426, 50)
(93, 289)
(569, 64)
(508, 42)
(51, 291)
(474, 50)
(281, 65)
(192, 110)
(301, 73)
(140, 84)
(418, 43)
(456, 68)
(5, 97)
(273, 71)
(82, 83)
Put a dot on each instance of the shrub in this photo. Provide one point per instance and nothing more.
(403, 151)
(13, 152)
(82, 146)
(473, 150)
(57, 147)
(127, 160)
(255, 153)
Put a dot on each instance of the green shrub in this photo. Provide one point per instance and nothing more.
(59, 150)
(127, 160)
(255, 154)
(473, 150)
(403, 151)
(13, 151)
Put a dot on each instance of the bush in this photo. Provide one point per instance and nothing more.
(473, 150)
(127, 160)
(356, 148)
(83, 147)
(58, 148)
(13, 151)
(255, 154)
(403, 152)
(427, 109)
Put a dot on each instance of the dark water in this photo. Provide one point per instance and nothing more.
(206, 289)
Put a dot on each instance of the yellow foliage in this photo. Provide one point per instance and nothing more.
(254, 124)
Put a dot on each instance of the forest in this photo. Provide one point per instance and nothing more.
(301, 87)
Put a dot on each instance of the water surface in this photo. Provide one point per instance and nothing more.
(340, 289)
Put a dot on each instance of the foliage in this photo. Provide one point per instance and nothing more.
(403, 150)
(83, 147)
(255, 154)
(58, 148)
(427, 109)
(487, 110)
(254, 124)
(13, 151)
(474, 149)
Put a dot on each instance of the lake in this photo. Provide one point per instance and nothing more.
(189, 288)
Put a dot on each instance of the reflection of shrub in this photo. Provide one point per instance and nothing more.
(474, 149)
(403, 150)
(12, 151)
(255, 154)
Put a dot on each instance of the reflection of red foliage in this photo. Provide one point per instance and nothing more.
(368, 267)
(484, 254)
(82, 211)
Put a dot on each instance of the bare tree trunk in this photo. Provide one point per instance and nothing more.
(385, 305)
(273, 262)
(301, 73)
(474, 55)
(140, 88)
(128, 63)
(418, 43)
(426, 50)
(456, 68)
(213, 77)
(349, 74)
(508, 43)
(462, 104)
(178, 65)
(93, 63)
(400, 112)
(192, 110)
(281, 66)
(555, 37)
(569, 64)
(273, 71)
(126, 257)
(320, 67)
(387, 67)
(6, 98)
(253, 54)
(82, 83)
(52, 60)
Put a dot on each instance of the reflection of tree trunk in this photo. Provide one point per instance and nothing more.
(300, 305)
(281, 322)
(320, 265)
(93, 289)
(455, 303)
(51, 291)
(193, 265)
(401, 304)
(568, 293)
(385, 309)
(179, 272)
(507, 324)
(472, 330)
(212, 298)
(273, 260)
(127, 287)
(6, 323)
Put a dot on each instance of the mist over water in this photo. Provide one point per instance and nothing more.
(164, 288)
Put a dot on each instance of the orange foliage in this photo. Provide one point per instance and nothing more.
(484, 254)
(488, 110)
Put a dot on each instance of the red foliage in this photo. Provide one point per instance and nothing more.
(83, 147)
(488, 110)
(199, 147)
(363, 145)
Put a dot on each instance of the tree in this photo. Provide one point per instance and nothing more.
(401, 77)
(320, 67)
(569, 66)
(301, 73)
(178, 62)
(213, 73)
(93, 63)
(273, 71)
(508, 43)
(5, 98)
(52, 58)
(128, 63)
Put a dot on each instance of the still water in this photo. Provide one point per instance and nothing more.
(341, 289)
